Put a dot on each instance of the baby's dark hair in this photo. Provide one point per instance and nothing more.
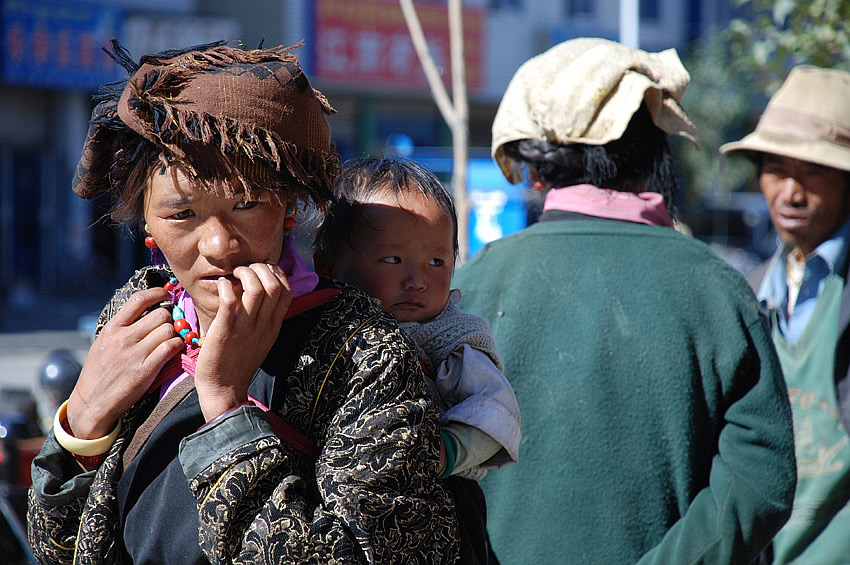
(365, 176)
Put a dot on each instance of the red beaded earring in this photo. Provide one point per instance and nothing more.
(538, 185)
(150, 242)
(289, 219)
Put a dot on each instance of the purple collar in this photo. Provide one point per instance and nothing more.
(643, 208)
(301, 278)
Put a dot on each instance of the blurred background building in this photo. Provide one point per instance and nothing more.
(59, 259)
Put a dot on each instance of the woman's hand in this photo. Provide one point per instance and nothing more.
(241, 335)
(122, 363)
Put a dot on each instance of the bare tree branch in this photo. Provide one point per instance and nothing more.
(455, 114)
(460, 129)
(435, 81)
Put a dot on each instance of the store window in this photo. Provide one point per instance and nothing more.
(21, 225)
(649, 10)
(505, 4)
(580, 8)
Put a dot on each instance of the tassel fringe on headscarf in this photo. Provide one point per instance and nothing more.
(249, 118)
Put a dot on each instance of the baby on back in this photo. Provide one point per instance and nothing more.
(392, 232)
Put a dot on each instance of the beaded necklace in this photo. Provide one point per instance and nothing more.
(181, 325)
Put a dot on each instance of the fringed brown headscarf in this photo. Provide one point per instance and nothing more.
(249, 117)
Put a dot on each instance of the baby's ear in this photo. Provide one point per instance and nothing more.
(322, 265)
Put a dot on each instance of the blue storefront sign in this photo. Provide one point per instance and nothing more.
(496, 207)
(57, 44)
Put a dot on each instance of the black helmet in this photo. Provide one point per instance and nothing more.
(59, 375)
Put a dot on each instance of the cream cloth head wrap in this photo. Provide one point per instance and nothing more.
(586, 91)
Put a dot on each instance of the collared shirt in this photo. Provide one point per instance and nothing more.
(820, 263)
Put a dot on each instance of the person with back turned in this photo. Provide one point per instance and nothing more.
(656, 424)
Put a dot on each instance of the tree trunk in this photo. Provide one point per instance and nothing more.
(456, 112)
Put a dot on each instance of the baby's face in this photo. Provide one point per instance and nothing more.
(403, 255)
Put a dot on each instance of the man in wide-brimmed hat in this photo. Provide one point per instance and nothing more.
(801, 146)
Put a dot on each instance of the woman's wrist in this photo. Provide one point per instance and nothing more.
(86, 421)
(214, 405)
(225, 414)
(77, 446)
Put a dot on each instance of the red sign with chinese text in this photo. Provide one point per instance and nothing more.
(366, 43)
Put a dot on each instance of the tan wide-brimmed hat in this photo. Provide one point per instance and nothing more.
(808, 119)
(586, 91)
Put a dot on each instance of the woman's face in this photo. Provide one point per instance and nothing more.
(204, 236)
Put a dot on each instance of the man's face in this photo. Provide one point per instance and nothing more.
(807, 202)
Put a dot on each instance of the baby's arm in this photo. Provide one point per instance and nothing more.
(482, 422)
(465, 447)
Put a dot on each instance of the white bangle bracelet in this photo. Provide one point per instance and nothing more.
(77, 446)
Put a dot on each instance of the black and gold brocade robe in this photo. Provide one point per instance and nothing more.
(344, 375)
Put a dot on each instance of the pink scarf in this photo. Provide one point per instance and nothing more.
(643, 208)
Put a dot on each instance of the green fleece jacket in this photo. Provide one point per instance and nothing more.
(656, 426)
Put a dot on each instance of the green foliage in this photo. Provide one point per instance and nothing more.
(772, 36)
(719, 106)
(736, 70)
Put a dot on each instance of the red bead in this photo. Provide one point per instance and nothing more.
(180, 325)
(150, 242)
(288, 223)
(189, 337)
(168, 286)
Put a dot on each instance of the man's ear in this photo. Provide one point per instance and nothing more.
(322, 265)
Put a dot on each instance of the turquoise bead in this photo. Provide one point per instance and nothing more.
(178, 314)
